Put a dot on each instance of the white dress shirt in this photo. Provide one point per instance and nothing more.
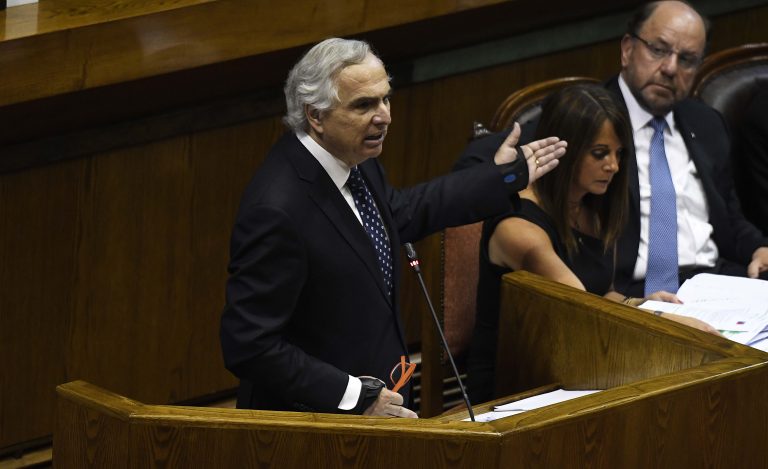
(695, 247)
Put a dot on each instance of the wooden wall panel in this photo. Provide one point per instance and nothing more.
(113, 266)
(37, 273)
(114, 271)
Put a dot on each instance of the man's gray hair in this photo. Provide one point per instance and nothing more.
(312, 81)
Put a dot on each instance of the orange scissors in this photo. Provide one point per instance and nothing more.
(406, 371)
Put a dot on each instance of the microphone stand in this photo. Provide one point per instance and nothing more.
(414, 263)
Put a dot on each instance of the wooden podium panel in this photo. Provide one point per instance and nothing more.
(96, 428)
(674, 397)
(549, 332)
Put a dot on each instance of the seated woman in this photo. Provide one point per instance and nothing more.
(568, 221)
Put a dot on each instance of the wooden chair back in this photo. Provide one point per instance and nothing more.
(729, 79)
(524, 105)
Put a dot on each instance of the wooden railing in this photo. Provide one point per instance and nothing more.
(673, 397)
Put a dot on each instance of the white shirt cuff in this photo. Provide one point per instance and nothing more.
(352, 394)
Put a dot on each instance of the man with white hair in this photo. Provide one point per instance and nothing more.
(311, 321)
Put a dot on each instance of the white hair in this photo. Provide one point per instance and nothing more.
(312, 81)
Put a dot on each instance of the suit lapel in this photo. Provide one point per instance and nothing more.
(695, 150)
(704, 165)
(329, 200)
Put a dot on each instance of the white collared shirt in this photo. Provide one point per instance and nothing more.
(695, 247)
(336, 169)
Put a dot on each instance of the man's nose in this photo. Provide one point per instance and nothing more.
(382, 115)
(670, 63)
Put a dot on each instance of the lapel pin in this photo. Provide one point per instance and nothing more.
(693, 135)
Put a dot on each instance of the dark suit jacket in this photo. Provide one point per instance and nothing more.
(306, 302)
(751, 158)
(708, 141)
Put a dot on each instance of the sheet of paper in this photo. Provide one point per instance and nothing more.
(706, 288)
(541, 400)
(530, 403)
(493, 415)
(731, 318)
(15, 3)
(759, 337)
(760, 344)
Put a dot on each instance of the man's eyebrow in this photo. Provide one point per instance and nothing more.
(363, 99)
(663, 42)
(367, 99)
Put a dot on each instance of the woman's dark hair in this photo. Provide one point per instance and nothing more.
(576, 114)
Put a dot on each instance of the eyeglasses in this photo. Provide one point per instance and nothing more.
(401, 373)
(685, 60)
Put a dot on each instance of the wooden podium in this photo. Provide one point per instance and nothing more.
(674, 397)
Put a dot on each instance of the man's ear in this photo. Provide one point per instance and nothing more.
(627, 45)
(314, 118)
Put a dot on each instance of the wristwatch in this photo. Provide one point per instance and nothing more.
(369, 392)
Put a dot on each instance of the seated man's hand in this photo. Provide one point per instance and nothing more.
(541, 156)
(389, 404)
(759, 262)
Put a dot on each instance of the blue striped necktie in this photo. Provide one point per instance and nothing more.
(372, 224)
(662, 273)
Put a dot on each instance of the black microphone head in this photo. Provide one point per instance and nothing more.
(410, 251)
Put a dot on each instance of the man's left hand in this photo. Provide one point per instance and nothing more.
(541, 156)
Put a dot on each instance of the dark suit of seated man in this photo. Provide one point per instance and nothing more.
(751, 155)
(660, 54)
(311, 321)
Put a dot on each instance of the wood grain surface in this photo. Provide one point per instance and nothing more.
(684, 415)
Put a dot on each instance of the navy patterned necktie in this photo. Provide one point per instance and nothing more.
(372, 224)
(662, 273)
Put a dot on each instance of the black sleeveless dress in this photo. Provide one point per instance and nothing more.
(591, 264)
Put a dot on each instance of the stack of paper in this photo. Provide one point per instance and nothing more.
(736, 306)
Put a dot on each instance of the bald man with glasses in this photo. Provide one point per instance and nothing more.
(684, 215)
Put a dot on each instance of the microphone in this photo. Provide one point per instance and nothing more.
(413, 261)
